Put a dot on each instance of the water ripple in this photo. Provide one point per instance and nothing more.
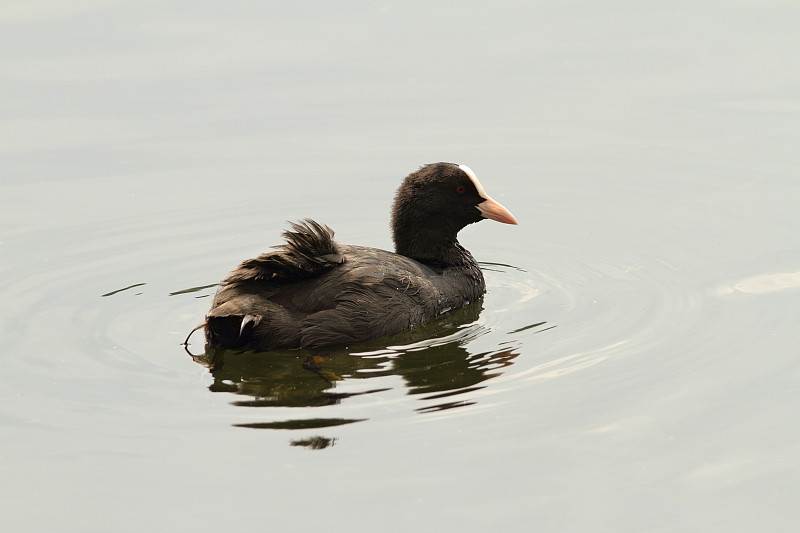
(123, 297)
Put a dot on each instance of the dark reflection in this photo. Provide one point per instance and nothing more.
(432, 360)
(129, 287)
(314, 443)
(449, 367)
(310, 423)
(498, 267)
(532, 326)
(194, 289)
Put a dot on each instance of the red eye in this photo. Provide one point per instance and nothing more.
(460, 189)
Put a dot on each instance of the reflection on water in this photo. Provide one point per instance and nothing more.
(433, 361)
(764, 283)
(112, 293)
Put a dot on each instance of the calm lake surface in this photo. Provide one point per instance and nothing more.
(634, 365)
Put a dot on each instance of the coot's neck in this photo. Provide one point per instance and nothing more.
(433, 245)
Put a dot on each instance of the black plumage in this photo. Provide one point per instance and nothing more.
(313, 292)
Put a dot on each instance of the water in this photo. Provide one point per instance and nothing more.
(633, 366)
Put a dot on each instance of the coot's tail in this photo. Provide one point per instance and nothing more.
(242, 304)
(309, 250)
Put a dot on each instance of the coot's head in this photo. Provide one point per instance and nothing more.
(433, 204)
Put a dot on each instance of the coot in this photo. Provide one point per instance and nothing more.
(312, 291)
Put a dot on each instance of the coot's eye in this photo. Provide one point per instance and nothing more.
(460, 189)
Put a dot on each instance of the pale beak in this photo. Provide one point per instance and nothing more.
(491, 209)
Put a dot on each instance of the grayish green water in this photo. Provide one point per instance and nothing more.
(633, 367)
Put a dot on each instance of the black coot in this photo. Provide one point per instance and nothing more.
(313, 292)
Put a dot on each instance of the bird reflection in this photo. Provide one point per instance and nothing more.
(432, 360)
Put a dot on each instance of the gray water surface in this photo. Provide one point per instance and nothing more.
(632, 367)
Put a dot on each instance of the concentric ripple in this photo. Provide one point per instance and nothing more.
(122, 298)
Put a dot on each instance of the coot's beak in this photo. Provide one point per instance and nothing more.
(491, 209)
